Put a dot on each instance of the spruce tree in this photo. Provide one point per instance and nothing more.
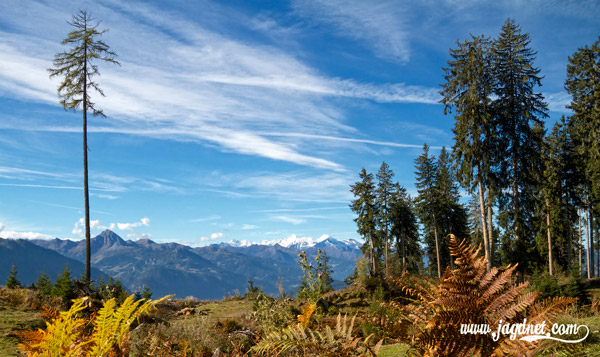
(44, 284)
(452, 215)
(63, 286)
(12, 282)
(78, 68)
(147, 294)
(364, 206)
(519, 112)
(583, 83)
(383, 199)
(468, 88)
(405, 230)
(427, 205)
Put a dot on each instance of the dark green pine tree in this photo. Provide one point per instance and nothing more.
(147, 293)
(78, 68)
(519, 114)
(468, 88)
(383, 196)
(452, 215)
(364, 206)
(405, 230)
(427, 207)
(558, 199)
(583, 83)
(63, 286)
(44, 284)
(324, 271)
(12, 282)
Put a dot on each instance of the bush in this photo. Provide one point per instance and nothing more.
(561, 284)
(272, 313)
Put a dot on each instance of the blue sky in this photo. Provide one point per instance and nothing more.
(242, 119)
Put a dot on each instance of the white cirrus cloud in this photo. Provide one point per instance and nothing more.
(204, 86)
(379, 25)
(290, 219)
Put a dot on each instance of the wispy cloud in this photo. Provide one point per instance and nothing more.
(212, 217)
(290, 219)
(379, 26)
(295, 186)
(195, 84)
(557, 102)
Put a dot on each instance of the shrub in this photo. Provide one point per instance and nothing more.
(560, 284)
(272, 313)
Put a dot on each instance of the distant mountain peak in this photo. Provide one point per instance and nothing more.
(109, 237)
(294, 241)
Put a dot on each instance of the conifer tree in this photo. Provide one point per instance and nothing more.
(452, 215)
(519, 112)
(559, 196)
(583, 83)
(405, 230)
(63, 286)
(78, 68)
(44, 284)
(364, 206)
(12, 282)
(468, 86)
(146, 294)
(427, 206)
(383, 200)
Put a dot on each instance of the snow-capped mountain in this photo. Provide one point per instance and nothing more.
(296, 242)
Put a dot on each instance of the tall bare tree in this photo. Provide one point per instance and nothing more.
(78, 69)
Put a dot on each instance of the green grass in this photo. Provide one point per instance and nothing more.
(14, 319)
(397, 349)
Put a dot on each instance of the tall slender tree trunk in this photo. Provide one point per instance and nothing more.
(549, 237)
(486, 242)
(386, 248)
(594, 219)
(372, 256)
(490, 221)
(88, 252)
(437, 246)
(579, 244)
(589, 256)
(404, 254)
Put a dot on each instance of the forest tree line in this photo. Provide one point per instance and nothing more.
(535, 193)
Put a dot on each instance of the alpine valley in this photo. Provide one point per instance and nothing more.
(209, 272)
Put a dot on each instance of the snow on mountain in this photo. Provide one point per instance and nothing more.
(294, 241)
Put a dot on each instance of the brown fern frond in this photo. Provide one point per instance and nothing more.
(499, 301)
(548, 309)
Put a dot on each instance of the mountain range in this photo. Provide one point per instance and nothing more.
(209, 272)
(31, 259)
